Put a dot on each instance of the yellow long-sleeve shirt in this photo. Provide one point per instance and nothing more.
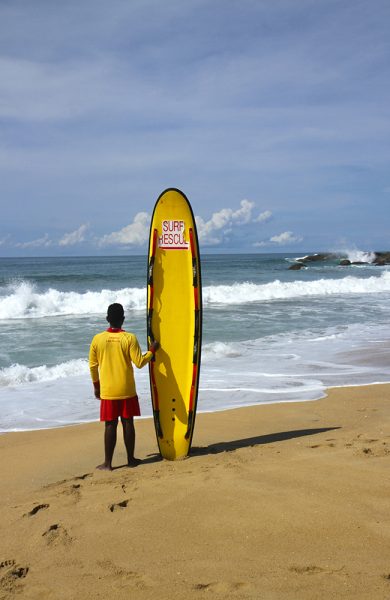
(111, 357)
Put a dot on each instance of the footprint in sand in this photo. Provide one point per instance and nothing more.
(313, 570)
(11, 575)
(82, 477)
(57, 535)
(123, 487)
(73, 491)
(307, 570)
(223, 587)
(377, 451)
(369, 447)
(36, 509)
(4, 564)
(328, 445)
(119, 505)
(56, 484)
(124, 578)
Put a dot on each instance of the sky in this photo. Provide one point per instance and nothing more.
(273, 117)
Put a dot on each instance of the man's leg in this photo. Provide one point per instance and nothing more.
(109, 444)
(129, 439)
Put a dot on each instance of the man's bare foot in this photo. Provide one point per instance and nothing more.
(104, 467)
(134, 462)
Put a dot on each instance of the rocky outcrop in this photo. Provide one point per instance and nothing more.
(345, 262)
(381, 259)
(315, 258)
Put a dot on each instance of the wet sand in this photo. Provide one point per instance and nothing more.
(283, 501)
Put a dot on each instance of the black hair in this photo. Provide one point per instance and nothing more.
(115, 314)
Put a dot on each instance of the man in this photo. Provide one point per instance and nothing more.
(111, 355)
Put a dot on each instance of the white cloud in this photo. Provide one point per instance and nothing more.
(75, 237)
(287, 237)
(43, 242)
(136, 234)
(264, 216)
(69, 239)
(211, 232)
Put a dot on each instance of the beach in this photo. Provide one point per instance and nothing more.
(305, 331)
(277, 501)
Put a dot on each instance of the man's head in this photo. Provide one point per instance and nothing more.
(115, 315)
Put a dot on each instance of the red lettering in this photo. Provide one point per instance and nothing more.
(172, 226)
(173, 235)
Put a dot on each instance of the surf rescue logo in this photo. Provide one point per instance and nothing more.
(172, 236)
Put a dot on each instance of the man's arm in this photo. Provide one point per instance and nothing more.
(94, 369)
(136, 356)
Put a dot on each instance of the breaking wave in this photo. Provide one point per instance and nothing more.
(360, 256)
(23, 301)
(242, 293)
(20, 374)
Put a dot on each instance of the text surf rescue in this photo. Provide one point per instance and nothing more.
(172, 236)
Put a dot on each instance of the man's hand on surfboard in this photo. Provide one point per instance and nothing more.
(154, 346)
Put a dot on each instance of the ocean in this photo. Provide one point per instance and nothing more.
(270, 334)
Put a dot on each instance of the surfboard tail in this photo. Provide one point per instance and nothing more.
(190, 425)
(157, 423)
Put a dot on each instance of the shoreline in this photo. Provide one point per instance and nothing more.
(211, 411)
(282, 501)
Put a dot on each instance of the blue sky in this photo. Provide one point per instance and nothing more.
(272, 117)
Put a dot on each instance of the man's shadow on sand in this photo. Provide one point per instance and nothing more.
(258, 440)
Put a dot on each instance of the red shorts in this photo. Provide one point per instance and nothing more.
(112, 409)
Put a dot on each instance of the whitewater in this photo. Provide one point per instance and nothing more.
(22, 300)
(270, 334)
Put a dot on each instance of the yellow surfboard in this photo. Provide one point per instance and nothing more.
(174, 319)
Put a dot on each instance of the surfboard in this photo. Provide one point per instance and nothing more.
(174, 319)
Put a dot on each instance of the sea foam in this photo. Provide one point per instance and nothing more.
(17, 374)
(23, 301)
(279, 368)
(242, 293)
(360, 256)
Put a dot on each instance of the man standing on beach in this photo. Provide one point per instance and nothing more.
(111, 357)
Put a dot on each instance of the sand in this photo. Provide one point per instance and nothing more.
(283, 501)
